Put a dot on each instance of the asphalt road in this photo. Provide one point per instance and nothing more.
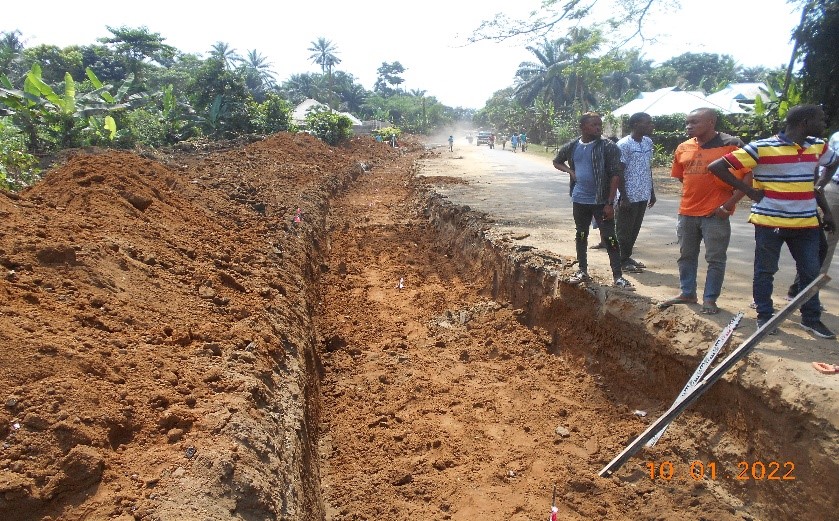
(526, 196)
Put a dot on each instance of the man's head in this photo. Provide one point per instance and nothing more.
(808, 120)
(641, 124)
(701, 124)
(591, 126)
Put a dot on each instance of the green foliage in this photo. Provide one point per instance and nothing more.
(142, 127)
(272, 115)
(389, 78)
(68, 119)
(387, 132)
(704, 71)
(18, 168)
(329, 126)
(221, 97)
(818, 39)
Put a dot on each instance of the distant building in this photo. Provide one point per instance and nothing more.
(298, 115)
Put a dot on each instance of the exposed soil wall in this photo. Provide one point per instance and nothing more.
(285, 330)
(650, 353)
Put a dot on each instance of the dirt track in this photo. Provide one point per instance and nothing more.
(183, 347)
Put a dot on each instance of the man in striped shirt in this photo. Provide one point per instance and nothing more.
(785, 208)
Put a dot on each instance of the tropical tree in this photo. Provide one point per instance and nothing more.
(324, 53)
(299, 87)
(227, 55)
(624, 83)
(11, 53)
(567, 71)
(221, 97)
(389, 78)
(259, 77)
(139, 46)
(351, 94)
(704, 71)
(817, 39)
(55, 62)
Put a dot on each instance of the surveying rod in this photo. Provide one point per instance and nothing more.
(717, 373)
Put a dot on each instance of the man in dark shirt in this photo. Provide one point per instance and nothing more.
(595, 167)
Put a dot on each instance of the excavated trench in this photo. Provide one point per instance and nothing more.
(364, 349)
(740, 452)
(736, 423)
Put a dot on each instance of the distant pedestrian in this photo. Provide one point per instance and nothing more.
(523, 141)
(785, 207)
(451, 143)
(637, 192)
(504, 142)
(704, 210)
(514, 142)
(595, 167)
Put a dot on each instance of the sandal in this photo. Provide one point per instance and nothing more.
(681, 299)
(826, 368)
(709, 307)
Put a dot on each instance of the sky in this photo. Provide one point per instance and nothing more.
(428, 38)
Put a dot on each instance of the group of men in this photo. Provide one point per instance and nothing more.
(599, 169)
(788, 177)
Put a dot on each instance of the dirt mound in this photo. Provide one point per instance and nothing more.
(155, 318)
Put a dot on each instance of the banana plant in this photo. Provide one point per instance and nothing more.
(64, 115)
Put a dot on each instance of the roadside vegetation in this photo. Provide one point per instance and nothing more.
(131, 90)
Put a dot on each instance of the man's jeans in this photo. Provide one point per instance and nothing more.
(803, 245)
(715, 233)
(629, 217)
(583, 214)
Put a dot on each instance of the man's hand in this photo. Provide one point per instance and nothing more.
(608, 212)
(755, 194)
(652, 200)
(721, 213)
(828, 223)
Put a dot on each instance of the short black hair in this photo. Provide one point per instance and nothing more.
(587, 116)
(637, 118)
(799, 113)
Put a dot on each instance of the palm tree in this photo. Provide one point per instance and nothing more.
(299, 87)
(545, 78)
(258, 74)
(565, 73)
(626, 82)
(223, 52)
(11, 53)
(323, 54)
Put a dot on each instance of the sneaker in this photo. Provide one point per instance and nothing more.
(580, 276)
(622, 283)
(762, 321)
(636, 263)
(818, 329)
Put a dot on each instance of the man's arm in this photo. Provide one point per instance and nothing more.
(609, 209)
(720, 168)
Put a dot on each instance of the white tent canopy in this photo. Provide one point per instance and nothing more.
(300, 111)
(669, 100)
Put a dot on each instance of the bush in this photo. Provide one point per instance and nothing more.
(141, 127)
(18, 168)
(329, 126)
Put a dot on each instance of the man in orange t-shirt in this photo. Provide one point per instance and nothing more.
(705, 208)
